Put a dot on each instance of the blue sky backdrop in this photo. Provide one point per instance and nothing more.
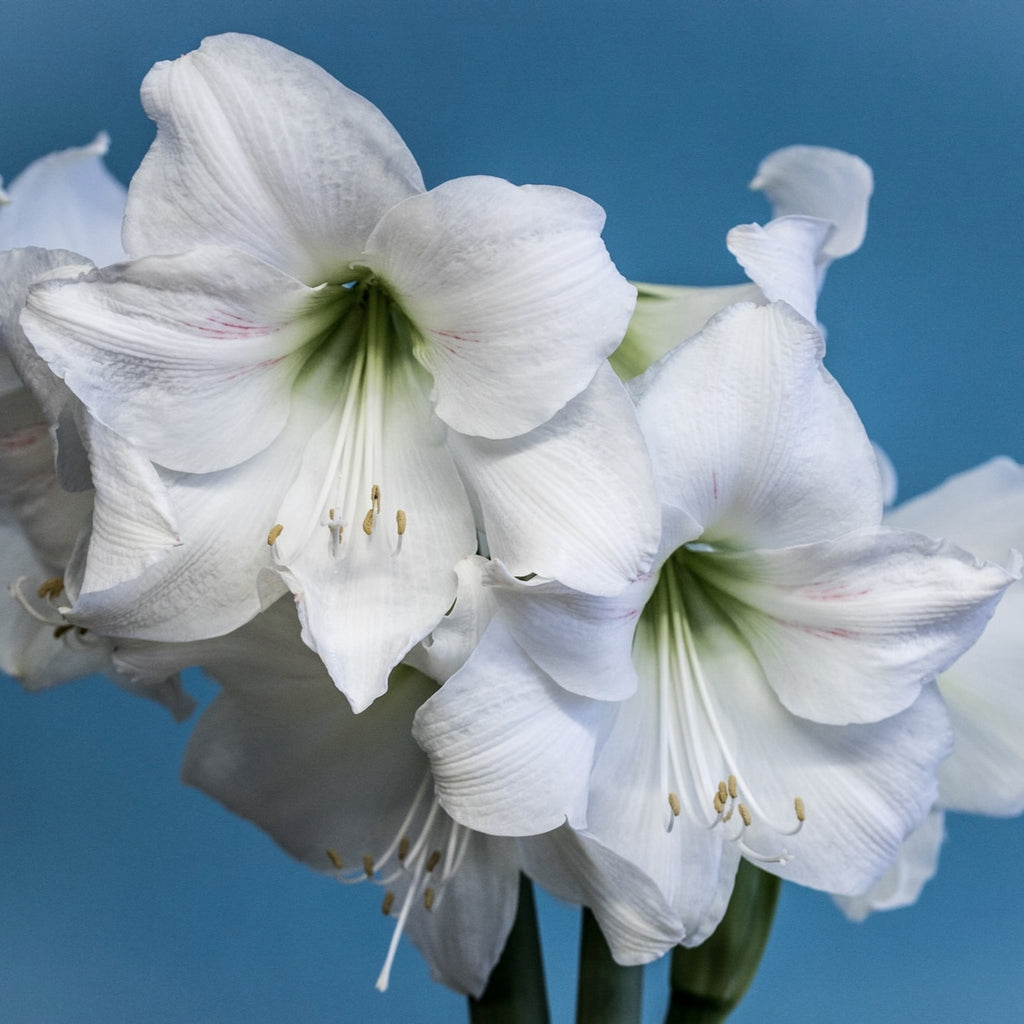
(126, 897)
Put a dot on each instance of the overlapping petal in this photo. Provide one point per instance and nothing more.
(511, 292)
(573, 499)
(175, 353)
(261, 149)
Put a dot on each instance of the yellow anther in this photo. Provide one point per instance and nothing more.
(400, 521)
(798, 806)
(375, 498)
(389, 899)
(732, 786)
(673, 802)
(723, 793)
(433, 859)
(428, 898)
(330, 514)
(52, 587)
(368, 523)
(59, 631)
(403, 847)
(744, 814)
(368, 865)
(275, 532)
(719, 803)
(332, 856)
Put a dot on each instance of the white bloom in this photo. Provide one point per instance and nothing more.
(313, 359)
(784, 648)
(983, 510)
(352, 796)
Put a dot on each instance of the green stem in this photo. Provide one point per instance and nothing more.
(516, 992)
(607, 993)
(708, 981)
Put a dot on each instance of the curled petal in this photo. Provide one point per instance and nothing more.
(784, 259)
(262, 150)
(820, 182)
(512, 293)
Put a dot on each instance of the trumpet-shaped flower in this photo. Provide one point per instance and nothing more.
(982, 509)
(324, 369)
(353, 796)
(784, 647)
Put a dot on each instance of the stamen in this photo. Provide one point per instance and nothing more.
(375, 499)
(275, 532)
(335, 860)
(400, 521)
(368, 865)
(389, 899)
(798, 807)
(403, 847)
(368, 523)
(14, 589)
(673, 802)
(59, 631)
(432, 860)
(428, 898)
(51, 588)
(744, 814)
(732, 786)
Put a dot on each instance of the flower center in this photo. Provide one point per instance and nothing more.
(680, 632)
(421, 858)
(46, 607)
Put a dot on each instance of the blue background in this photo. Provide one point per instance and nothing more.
(125, 896)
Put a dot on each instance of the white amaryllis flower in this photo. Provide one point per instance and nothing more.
(819, 200)
(353, 796)
(983, 510)
(316, 359)
(784, 647)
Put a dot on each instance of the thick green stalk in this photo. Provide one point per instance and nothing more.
(516, 992)
(607, 992)
(708, 981)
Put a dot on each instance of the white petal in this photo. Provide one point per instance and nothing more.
(191, 357)
(982, 509)
(582, 642)
(783, 259)
(666, 315)
(511, 752)
(820, 182)
(368, 594)
(635, 919)
(900, 886)
(262, 150)
(849, 630)
(574, 499)
(753, 442)
(512, 293)
(628, 814)
(67, 200)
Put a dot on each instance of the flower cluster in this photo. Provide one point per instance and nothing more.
(503, 564)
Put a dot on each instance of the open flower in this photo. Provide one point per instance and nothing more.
(353, 796)
(317, 358)
(982, 509)
(784, 647)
